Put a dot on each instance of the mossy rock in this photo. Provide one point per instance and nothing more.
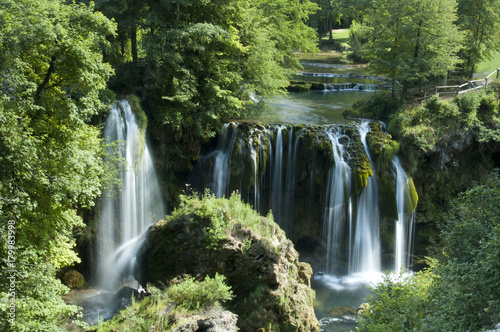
(299, 87)
(74, 279)
(317, 86)
(341, 312)
(225, 236)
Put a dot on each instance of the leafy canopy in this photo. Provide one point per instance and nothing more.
(51, 73)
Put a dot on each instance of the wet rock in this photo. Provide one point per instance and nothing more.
(341, 312)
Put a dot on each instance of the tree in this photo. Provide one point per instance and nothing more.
(52, 72)
(480, 20)
(207, 60)
(466, 296)
(413, 40)
(330, 14)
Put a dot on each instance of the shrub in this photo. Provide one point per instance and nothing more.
(398, 303)
(194, 295)
(468, 104)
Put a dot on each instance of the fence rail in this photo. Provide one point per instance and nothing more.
(474, 85)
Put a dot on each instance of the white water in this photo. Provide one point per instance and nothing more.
(404, 225)
(277, 176)
(337, 194)
(126, 216)
(366, 247)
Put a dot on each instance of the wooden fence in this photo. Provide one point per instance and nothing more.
(475, 85)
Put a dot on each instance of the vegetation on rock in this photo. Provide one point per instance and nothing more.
(170, 309)
(271, 287)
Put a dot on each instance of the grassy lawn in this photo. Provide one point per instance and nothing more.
(487, 67)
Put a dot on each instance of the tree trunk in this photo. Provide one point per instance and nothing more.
(133, 41)
(330, 27)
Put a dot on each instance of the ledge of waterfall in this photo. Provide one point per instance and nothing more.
(210, 236)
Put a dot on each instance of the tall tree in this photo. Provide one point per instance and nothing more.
(207, 59)
(412, 40)
(51, 73)
(480, 20)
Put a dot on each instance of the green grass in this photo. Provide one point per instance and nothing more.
(487, 67)
(339, 35)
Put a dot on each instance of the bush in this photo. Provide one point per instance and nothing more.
(468, 104)
(398, 303)
(193, 295)
(467, 296)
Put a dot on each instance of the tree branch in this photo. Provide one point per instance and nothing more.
(46, 80)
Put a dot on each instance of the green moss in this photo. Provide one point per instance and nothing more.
(74, 279)
(411, 197)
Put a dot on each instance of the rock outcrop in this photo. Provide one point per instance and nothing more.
(271, 287)
(212, 321)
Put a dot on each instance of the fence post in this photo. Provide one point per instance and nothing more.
(486, 82)
(498, 72)
(436, 91)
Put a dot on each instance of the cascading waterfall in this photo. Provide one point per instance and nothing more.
(309, 177)
(404, 225)
(124, 218)
(222, 166)
(277, 176)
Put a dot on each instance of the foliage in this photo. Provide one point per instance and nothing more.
(431, 123)
(480, 21)
(193, 295)
(381, 106)
(51, 73)
(467, 296)
(206, 61)
(398, 303)
(413, 40)
(162, 308)
(358, 38)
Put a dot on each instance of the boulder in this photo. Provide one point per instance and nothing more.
(74, 279)
(216, 320)
(270, 286)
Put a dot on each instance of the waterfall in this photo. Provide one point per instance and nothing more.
(220, 185)
(404, 225)
(124, 217)
(310, 178)
(366, 248)
(337, 193)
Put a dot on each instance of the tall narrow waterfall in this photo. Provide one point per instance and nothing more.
(337, 203)
(404, 225)
(366, 249)
(124, 217)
